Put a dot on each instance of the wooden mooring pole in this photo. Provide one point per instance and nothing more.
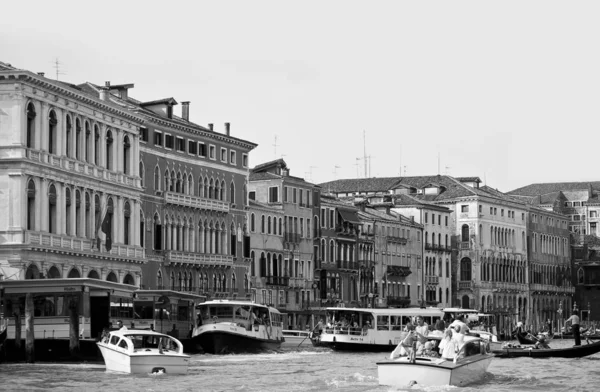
(17, 314)
(29, 324)
(74, 328)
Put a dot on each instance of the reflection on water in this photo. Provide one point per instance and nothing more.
(307, 370)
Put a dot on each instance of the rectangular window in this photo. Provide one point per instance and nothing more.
(480, 209)
(502, 212)
(168, 141)
(426, 214)
(144, 134)
(202, 149)
(273, 194)
(308, 198)
(331, 220)
(323, 217)
(158, 138)
(294, 196)
(245, 163)
(192, 147)
(252, 195)
(464, 208)
(223, 154)
(212, 151)
(491, 210)
(285, 194)
(300, 195)
(180, 144)
(446, 219)
(440, 219)
(232, 157)
(307, 228)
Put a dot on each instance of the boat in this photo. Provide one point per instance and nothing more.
(367, 329)
(225, 326)
(469, 366)
(525, 338)
(139, 351)
(297, 339)
(511, 351)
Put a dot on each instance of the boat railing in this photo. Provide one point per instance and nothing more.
(346, 331)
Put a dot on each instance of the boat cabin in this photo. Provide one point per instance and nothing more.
(393, 319)
(243, 313)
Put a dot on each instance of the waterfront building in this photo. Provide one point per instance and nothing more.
(272, 184)
(579, 202)
(194, 182)
(398, 255)
(69, 177)
(490, 268)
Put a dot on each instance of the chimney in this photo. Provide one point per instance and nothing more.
(185, 110)
(107, 84)
(41, 74)
(227, 129)
(103, 94)
(210, 126)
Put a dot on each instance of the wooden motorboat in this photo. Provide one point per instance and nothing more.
(143, 352)
(469, 366)
(510, 351)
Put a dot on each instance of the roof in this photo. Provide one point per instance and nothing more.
(468, 179)
(545, 188)
(167, 101)
(263, 176)
(361, 184)
(271, 164)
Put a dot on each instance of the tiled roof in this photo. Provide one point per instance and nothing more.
(6, 67)
(360, 185)
(261, 176)
(276, 163)
(544, 188)
(468, 179)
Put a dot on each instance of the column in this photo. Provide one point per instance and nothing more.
(41, 132)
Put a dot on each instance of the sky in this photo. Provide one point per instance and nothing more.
(504, 90)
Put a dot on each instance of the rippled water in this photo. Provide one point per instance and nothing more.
(306, 370)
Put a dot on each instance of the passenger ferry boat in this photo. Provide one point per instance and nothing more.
(143, 352)
(366, 329)
(224, 326)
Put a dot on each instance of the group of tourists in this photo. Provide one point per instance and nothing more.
(417, 341)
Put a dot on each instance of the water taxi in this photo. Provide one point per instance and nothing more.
(366, 329)
(143, 352)
(224, 326)
(297, 339)
(468, 366)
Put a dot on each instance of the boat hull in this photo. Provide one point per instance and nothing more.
(150, 361)
(426, 372)
(220, 341)
(569, 352)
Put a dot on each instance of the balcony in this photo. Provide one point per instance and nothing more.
(176, 257)
(348, 265)
(366, 264)
(71, 165)
(292, 237)
(465, 245)
(297, 282)
(428, 246)
(432, 279)
(196, 202)
(76, 245)
(277, 280)
(397, 240)
(401, 302)
(465, 285)
(345, 231)
(397, 270)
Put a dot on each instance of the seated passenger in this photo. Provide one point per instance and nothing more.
(541, 343)
(428, 351)
(407, 345)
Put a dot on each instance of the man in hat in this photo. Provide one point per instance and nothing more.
(574, 320)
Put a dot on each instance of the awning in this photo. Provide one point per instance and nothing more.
(349, 216)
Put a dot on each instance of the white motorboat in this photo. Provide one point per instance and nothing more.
(297, 339)
(143, 352)
(225, 327)
(468, 366)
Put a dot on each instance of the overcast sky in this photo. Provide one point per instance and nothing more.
(507, 90)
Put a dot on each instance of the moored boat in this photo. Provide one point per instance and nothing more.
(468, 366)
(143, 352)
(510, 351)
(237, 327)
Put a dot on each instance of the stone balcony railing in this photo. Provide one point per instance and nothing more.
(432, 279)
(81, 245)
(465, 285)
(196, 202)
(74, 166)
(177, 257)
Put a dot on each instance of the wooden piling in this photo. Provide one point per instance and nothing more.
(29, 325)
(17, 315)
(74, 327)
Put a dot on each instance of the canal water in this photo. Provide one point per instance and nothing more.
(298, 370)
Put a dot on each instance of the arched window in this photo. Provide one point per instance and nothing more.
(262, 224)
(157, 233)
(159, 280)
(96, 145)
(78, 229)
(465, 233)
(465, 269)
(78, 140)
(52, 132)
(126, 155)
(68, 134)
(93, 274)
(252, 223)
(67, 211)
(222, 191)
(126, 222)
(74, 274)
(52, 210)
(31, 210)
(54, 273)
(128, 279)
(88, 216)
(31, 114)
(112, 277)
(232, 192)
(109, 153)
(269, 225)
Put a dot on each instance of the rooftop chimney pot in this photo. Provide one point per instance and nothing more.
(107, 84)
(41, 73)
(210, 126)
(185, 110)
(103, 94)
(227, 128)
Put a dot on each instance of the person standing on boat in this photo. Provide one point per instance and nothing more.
(574, 320)
(422, 330)
(448, 347)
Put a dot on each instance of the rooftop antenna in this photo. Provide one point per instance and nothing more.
(365, 151)
(56, 66)
(357, 164)
(335, 171)
(369, 160)
(275, 146)
(400, 156)
(447, 170)
(438, 163)
(310, 171)
(404, 171)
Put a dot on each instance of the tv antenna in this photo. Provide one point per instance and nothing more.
(447, 170)
(357, 164)
(335, 171)
(275, 146)
(56, 66)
